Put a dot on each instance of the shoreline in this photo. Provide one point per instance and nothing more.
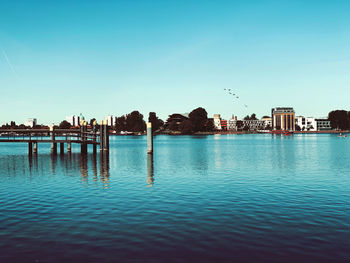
(234, 132)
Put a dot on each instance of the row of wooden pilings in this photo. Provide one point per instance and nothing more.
(84, 139)
(104, 140)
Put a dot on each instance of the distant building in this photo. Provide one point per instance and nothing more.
(223, 124)
(306, 123)
(267, 122)
(232, 124)
(323, 124)
(283, 118)
(74, 120)
(31, 122)
(177, 118)
(217, 122)
(111, 120)
(254, 125)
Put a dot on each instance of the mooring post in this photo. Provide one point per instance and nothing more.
(106, 136)
(61, 147)
(35, 148)
(149, 138)
(94, 137)
(101, 136)
(83, 143)
(30, 148)
(53, 143)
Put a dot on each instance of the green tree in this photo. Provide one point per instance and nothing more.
(173, 126)
(210, 125)
(251, 117)
(120, 124)
(186, 127)
(156, 122)
(64, 125)
(135, 122)
(339, 119)
(199, 118)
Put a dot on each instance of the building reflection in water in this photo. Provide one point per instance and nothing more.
(70, 165)
(150, 170)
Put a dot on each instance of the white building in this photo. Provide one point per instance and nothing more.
(254, 125)
(31, 122)
(73, 120)
(232, 124)
(267, 122)
(306, 123)
(217, 122)
(111, 120)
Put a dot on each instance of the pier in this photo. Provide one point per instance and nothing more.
(97, 136)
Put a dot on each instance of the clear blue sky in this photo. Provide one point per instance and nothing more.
(60, 58)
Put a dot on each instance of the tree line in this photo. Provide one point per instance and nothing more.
(197, 121)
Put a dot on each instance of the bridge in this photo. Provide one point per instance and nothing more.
(95, 136)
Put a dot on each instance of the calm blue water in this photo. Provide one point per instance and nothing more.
(228, 198)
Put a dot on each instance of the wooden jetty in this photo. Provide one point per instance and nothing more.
(97, 135)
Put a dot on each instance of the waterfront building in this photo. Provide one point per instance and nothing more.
(111, 120)
(223, 124)
(177, 118)
(31, 122)
(232, 124)
(283, 118)
(74, 120)
(267, 122)
(306, 123)
(323, 124)
(217, 122)
(254, 125)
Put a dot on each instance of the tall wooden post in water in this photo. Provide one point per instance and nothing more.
(83, 130)
(53, 143)
(149, 138)
(101, 136)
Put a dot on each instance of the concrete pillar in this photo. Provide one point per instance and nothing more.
(274, 122)
(149, 138)
(282, 123)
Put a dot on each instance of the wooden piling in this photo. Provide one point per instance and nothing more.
(101, 136)
(30, 148)
(35, 147)
(83, 143)
(61, 148)
(53, 144)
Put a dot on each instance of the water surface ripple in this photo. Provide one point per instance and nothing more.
(221, 198)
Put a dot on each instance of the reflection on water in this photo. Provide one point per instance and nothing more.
(150, 170)
(251, 198)
(69, 164)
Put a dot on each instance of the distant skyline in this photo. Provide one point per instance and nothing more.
(104, 58)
